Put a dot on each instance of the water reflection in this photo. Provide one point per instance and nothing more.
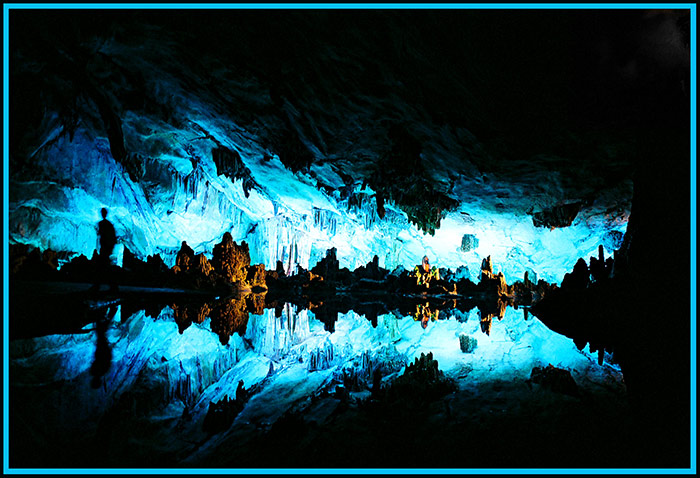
(231, 314)
(187, 313)
(425, 314)
(194, 352)
(103, 317)
(198, 339)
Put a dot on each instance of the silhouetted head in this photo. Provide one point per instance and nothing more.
(104, 213)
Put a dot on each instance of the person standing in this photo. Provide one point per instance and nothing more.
(108, 239)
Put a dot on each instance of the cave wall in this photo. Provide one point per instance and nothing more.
(188, 124)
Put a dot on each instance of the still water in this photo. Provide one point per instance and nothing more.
(146, 381)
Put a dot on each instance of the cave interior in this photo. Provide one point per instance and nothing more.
(275, 179)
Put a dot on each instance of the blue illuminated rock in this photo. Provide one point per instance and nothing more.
(278, 167)
(467, 344)
(469, 242)
(612, 240)
(557, 216)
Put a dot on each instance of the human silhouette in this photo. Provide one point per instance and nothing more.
(108, 239)
(103, 351)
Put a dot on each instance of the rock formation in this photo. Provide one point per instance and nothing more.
(555, 379)
(184, 259)
(228, 317)
(220, 415)
(231, 260)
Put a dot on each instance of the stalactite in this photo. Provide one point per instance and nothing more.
(187, 385)
(322, 358)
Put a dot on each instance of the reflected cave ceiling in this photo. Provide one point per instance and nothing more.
(187, 123)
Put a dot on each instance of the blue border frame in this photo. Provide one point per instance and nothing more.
(5, 242)
(316, 471)
(693, 239)
(344, 6)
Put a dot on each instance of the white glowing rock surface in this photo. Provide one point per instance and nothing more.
(286, 217)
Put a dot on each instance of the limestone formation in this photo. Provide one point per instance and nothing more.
(578, 278)
(255, 303)
(33, 264)
(328, 266)
(227, 317)
(557, 216)
(230, 260)
(188, 313)
(371, 270)
(201, 265)
(184, 259)
(469, 242)
(486, 267)
(467, 343)
(421, 382)
(485, 324)
(612, 240)
(256, 277)
(220, 415)
(555, 379)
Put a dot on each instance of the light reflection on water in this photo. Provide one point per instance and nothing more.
(159, 370)
(512, 343)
